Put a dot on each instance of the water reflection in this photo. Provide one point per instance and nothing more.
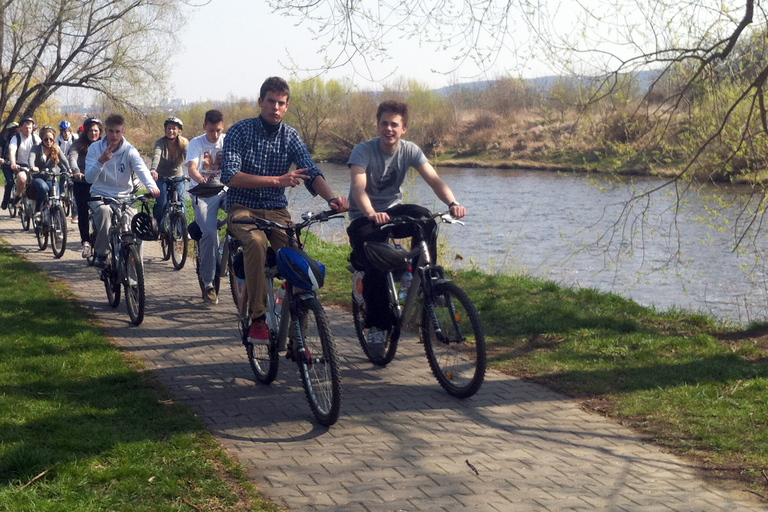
(578, 231)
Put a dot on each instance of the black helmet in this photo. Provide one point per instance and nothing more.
(174, 120)
(26, 119)
(92, 120)
(12, 125)
(386, 257)
(144, 226)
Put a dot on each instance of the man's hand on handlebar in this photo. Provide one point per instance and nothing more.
(379, 218)
(457, 211)
(339, 204)
(154, 192)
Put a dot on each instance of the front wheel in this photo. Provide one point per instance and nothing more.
(58, 231)
(453, 340)
(391, 340)
(318, 362)
(178, 240)
(133, 282)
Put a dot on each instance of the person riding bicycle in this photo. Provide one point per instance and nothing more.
(109, 167)
(65, 138)
(5, 139)
(93, 131)
(45, 159)
(168, 162)
(378, 168)
(18, 152)
(208, 194)
(256, 161)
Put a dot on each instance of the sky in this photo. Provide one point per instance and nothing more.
(229, 47)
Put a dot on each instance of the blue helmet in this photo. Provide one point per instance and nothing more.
(299, 269)
(64, 125)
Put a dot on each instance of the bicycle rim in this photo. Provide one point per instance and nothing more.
(264, 359)
(58, 231)
(134, 284)
(318, 363)
(179, 242)
(457, 355)
(393, 336)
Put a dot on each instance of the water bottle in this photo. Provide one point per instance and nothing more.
(279, 296)
(357, 286)
(405, 282)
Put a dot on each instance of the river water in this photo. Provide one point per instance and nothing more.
(569, 228)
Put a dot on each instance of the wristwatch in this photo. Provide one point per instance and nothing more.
(455, 203)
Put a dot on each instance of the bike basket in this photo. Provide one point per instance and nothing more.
(195, 233)
(386, 257)
(145, 226)
(299, 269)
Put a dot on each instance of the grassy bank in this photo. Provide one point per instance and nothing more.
(682, 379)
(82, 429)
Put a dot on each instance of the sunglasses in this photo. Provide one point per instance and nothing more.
(47, 139)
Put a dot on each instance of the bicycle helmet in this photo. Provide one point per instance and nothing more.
(64, 125)
(144, 226)
(174, 120)
(195, 233)
(299, 269)
(12, 125)
(26, 119)
(92, 120)
(386, 257)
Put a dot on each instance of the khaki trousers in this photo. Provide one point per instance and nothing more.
(255, 251)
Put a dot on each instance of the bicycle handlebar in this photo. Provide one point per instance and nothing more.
(407, 219)
(309, 218)
(122, 200)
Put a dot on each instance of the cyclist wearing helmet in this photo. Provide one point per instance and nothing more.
(19, 149)
(93, 130)
(45, 159)
(168, 162)
(109, 167)
(66, 138)
(5, 139)
(256, 166)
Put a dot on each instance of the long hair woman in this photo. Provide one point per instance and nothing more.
(168, 161)
(93, 130)
(45, 159)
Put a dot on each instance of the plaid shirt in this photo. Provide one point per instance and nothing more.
(248, 149)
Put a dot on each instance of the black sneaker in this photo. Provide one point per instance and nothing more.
(100, 262)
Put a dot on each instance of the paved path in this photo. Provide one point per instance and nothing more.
(401, 443)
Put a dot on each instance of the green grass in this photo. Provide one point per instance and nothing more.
(681, 378)
(81, 429)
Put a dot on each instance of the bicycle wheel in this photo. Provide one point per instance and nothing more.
(133, 282)
(165, 235)
(264, 359)
(25, 215)
(456, 354)
(237, 287)
(318, 362)
(92, 241)
(179, 240)
(58, 231)
(111, 282)
(12, 207)
(41, 233)
(393, 335)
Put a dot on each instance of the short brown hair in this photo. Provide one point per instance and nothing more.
(213, 116)
(393, 107)
(115, 120)
(274, 84)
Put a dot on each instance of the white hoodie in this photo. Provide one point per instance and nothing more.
(113, 179)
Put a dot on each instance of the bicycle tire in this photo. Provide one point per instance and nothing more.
(58, 231)
(179, 241)
(458, 361)
(392, 340)
(165, 240)
(234, 288)
(25, 216)
(318, 364)
(66, 201)
(264, 359)
(133, 282)
(111, 285)
(92, 241)
(41, 233)
(12, 207)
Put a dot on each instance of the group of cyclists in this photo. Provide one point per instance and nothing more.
(244, 172)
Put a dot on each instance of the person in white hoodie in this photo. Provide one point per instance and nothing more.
(109, 167)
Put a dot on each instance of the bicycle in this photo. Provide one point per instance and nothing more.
(124, 265)
(311, 345)
(52, 221)
(24, 205)
(449, 327)
(173, 226)
(67, 198)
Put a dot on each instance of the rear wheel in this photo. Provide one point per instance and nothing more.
(134, 284)
(318, 362)
(25, 215)
(264, 359)
(92, 241)
(41, 233)
(12, 208)
(453, 340)
(179, 241)
(111, 282)
(58, 231)
(390, 345)
(236, 285)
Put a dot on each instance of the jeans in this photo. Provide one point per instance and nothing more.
(43, 187)
(102, 221)
(374, 280)
(165, 187)
(206, 216)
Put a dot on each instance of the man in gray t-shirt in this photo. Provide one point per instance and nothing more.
(378, 169)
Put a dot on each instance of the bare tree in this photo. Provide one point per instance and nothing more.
(313, 104)
(117, 48)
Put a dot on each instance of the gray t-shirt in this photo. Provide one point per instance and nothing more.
(384, 172)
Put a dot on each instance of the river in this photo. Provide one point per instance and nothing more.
(558, 226)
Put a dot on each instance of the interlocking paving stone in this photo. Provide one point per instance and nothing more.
(401, 443)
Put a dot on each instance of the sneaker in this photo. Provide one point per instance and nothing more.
(377, 342)
(259, 333)
(4, 206)
(87, 251)
(100, 262)
(210, 295)
(74, 221)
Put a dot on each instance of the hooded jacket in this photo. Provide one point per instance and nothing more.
(113, 179)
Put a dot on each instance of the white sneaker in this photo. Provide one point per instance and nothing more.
(87, 251)
(377, 342)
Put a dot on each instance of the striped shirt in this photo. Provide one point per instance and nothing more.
(250, 149)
